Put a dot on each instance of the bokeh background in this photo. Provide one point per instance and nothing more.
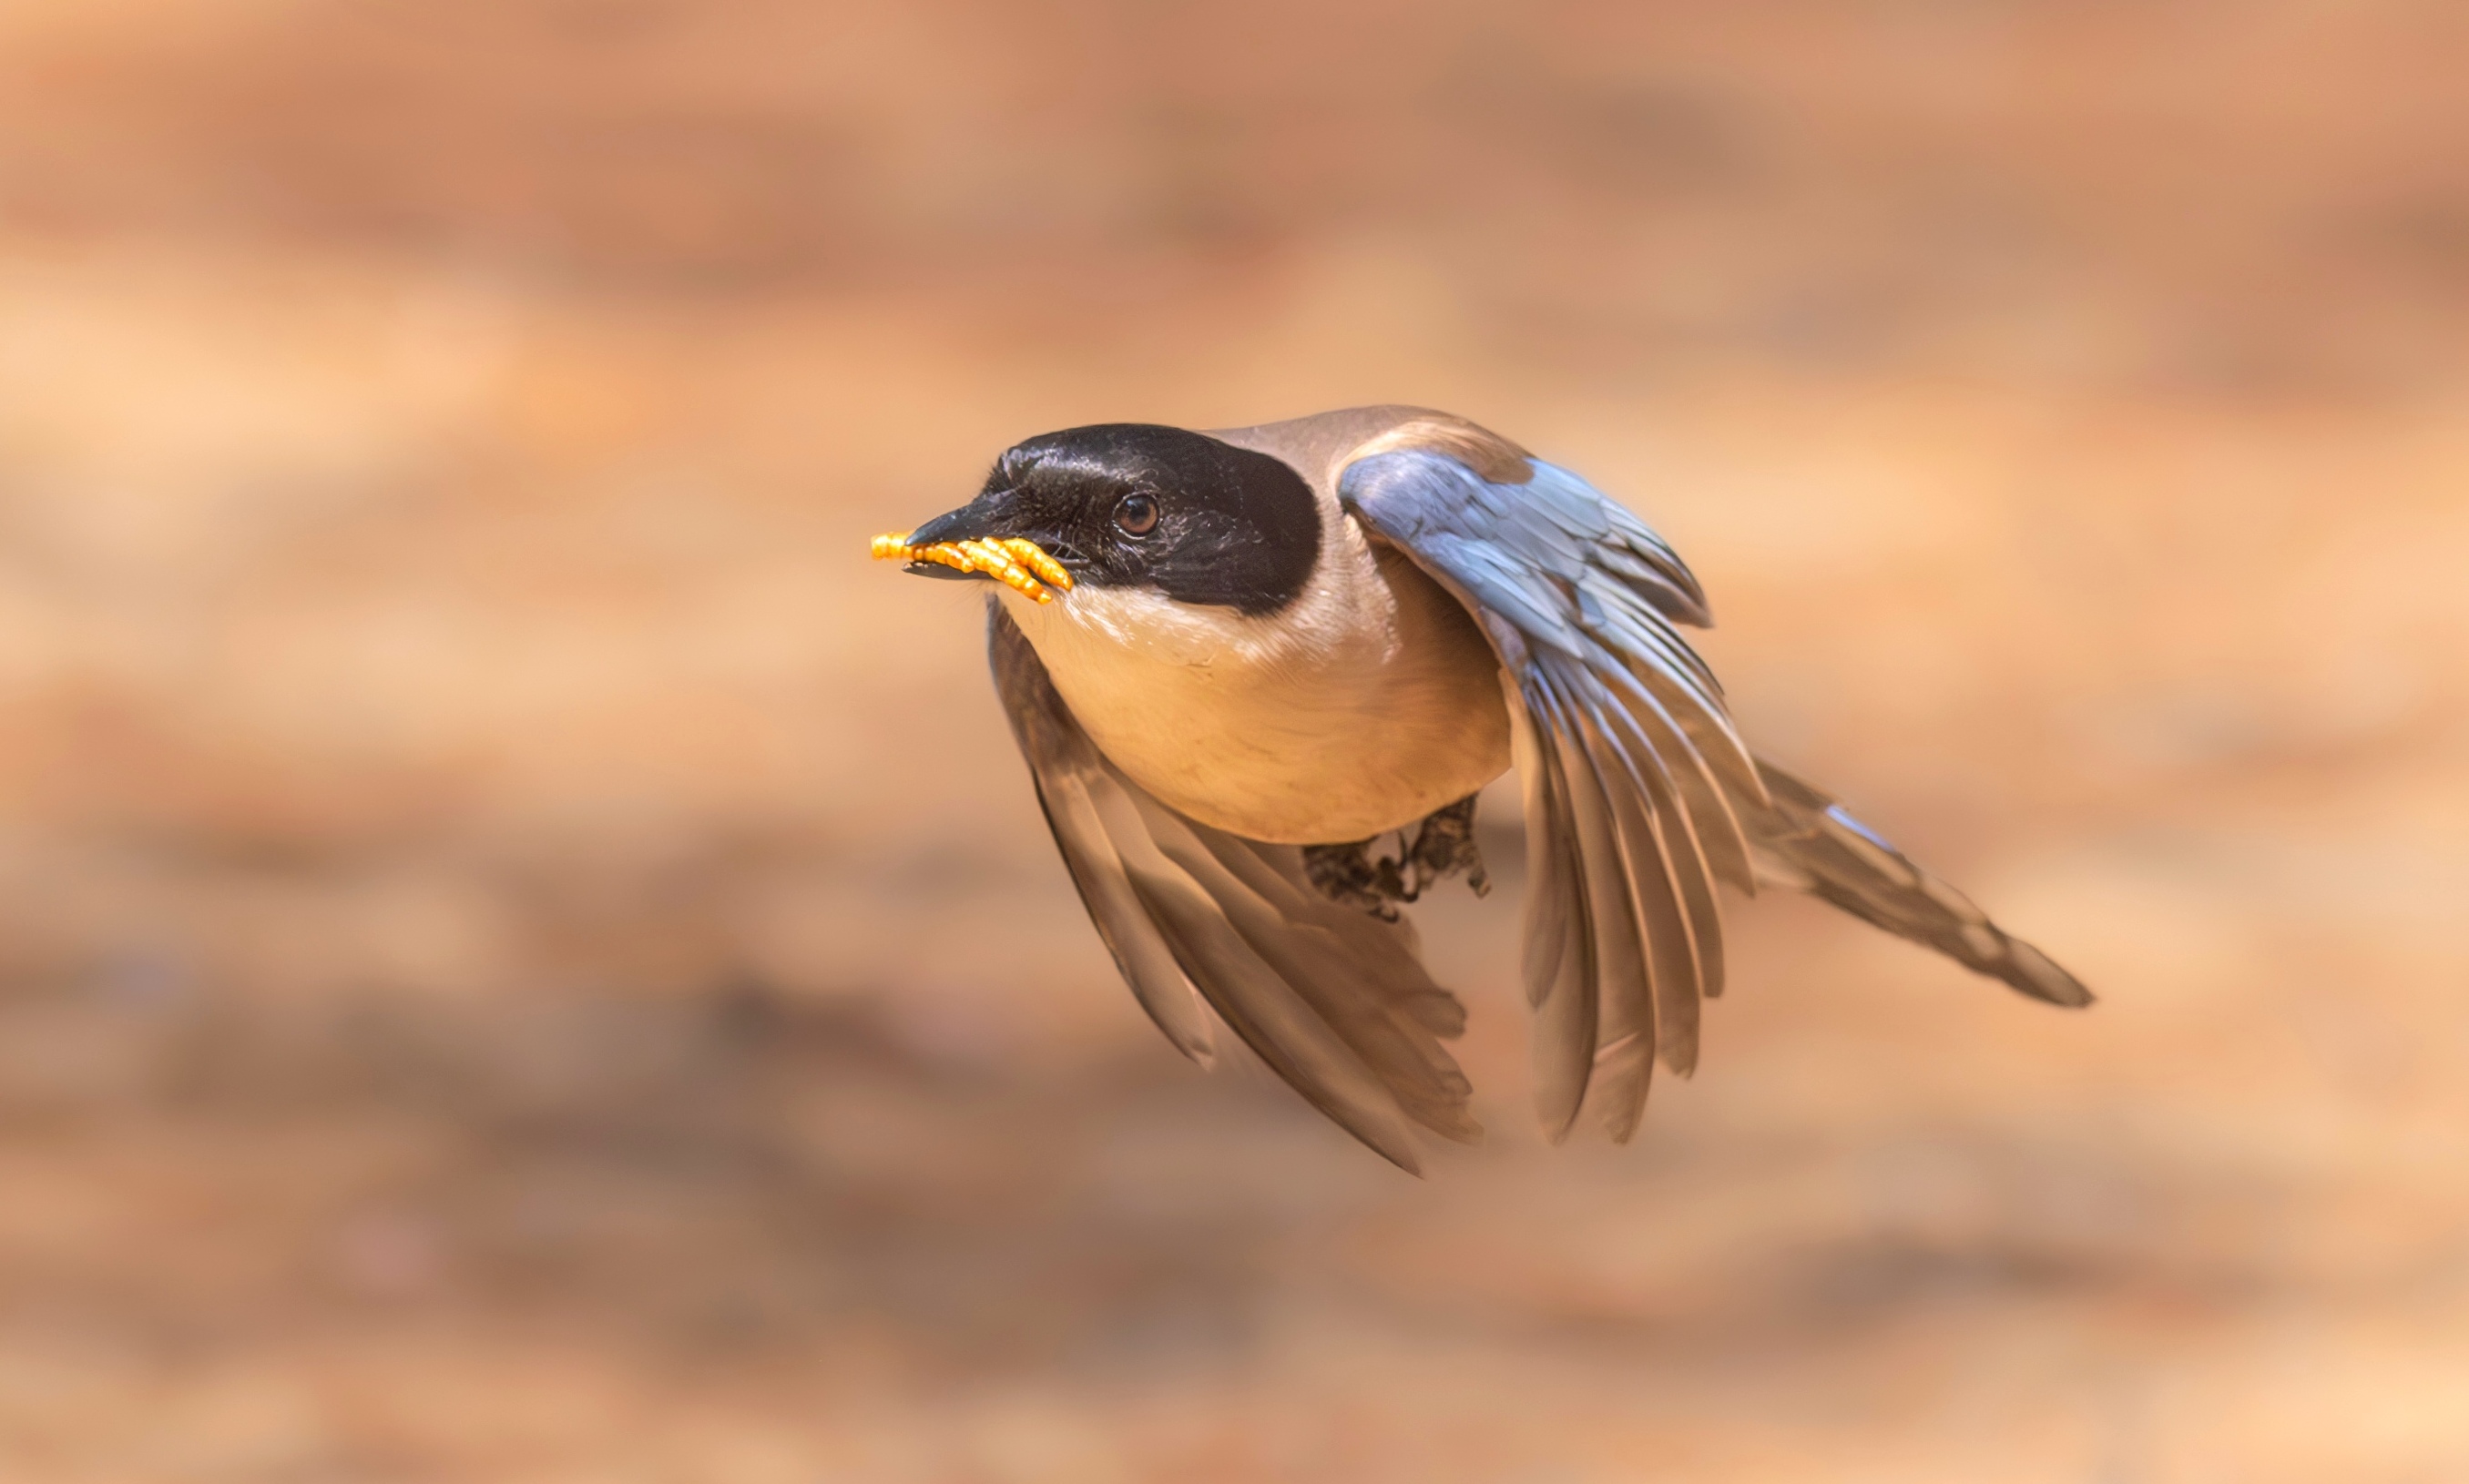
(523, 958)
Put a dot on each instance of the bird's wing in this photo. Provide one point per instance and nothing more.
(1634, 777)
(1332, 998)
(1640, 794)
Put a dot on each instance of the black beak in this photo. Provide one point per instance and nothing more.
(971, 522)
(989, 514)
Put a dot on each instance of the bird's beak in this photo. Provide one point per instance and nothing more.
(972, 543)
(975, 521)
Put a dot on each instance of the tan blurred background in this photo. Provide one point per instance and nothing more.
(523, 958)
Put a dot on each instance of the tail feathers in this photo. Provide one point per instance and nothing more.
(1812, 843)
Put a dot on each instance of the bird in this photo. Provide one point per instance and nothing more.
(1259, 675)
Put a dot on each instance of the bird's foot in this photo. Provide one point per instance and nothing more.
(1440, 846)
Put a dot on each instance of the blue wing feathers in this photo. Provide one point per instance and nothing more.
(1635, 760)
(1640, 791)
(1660, 860)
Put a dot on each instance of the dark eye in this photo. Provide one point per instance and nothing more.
(1137, 514)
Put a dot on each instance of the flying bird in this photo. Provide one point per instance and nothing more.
(1259, 675)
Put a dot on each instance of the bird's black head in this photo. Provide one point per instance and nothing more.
(1137, 505)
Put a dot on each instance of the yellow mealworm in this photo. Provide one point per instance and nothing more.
(997, 564)
(1015, 561)
(1034, 557)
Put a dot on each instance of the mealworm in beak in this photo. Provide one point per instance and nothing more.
(1015, 561)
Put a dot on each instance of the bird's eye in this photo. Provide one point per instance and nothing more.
(1137, 514)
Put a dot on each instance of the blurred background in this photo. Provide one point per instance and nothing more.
(524, 958)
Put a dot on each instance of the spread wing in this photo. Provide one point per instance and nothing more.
(1635, 780)
(1332, 998)
(1640, 794)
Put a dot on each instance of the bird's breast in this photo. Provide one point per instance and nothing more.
(1363, 706)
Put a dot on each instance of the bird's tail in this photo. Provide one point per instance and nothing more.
(1811, 843)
